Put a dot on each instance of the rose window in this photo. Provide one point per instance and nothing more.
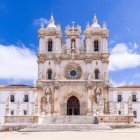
(73, 71)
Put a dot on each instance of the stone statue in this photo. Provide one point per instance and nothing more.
(48, 98)
(94, 108)
(48, 91)
(97, 91)
(130, 101)
(97, 94)
(46, 101)
(73, 45)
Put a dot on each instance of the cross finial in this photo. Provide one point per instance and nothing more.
(73, 22)
(41, 25)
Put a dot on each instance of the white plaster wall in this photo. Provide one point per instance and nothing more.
(19, 95)
(126, 93)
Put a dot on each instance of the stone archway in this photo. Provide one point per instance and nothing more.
(82, 103)
(73, 106)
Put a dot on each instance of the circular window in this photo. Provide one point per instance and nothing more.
(73, 71)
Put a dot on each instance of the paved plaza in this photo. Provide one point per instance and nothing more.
(117, 134)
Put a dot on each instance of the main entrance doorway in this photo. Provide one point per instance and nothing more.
(73, 106)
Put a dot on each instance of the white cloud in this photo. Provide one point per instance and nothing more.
(124, 56)
(122, 83)
(17, 63)
(40, 21)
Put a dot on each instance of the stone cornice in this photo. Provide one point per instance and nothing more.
(126, 88)
(73, 82)
(79, 56)
(17, 87)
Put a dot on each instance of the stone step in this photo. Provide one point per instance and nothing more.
(66, 127)
(68, 120)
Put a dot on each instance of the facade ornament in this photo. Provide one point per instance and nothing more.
(130, 108)
(18, 108)
(122, 107)
(57, 76)
(73, 45)
(7, 111)
(97, 94)
(48, 100)
(130, 101)
(115, 108)
(89, 76)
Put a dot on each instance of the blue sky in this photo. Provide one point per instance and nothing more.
(18, 28)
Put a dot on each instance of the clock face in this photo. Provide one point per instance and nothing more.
(73, 71)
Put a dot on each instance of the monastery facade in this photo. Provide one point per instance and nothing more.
(72, 80)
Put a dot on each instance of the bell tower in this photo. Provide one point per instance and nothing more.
(96, 44)
(50, 44)
(73, 38)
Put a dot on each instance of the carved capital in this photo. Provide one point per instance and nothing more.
(41, 58)
(105, 61)
(88, 60)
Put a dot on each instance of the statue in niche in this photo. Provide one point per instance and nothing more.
(46, 103)
(47, 97)
(97, 94)
(73, 44)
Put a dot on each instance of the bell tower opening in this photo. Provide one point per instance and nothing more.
(73, 106)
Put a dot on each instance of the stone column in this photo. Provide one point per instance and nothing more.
(105, 45)
(40, 71)
(89, 102)
(106, 100)
(36, 106)
(77, 44)
(130, 108)
(88, 45)
(105, 69)
(58, 44)
(18, 108)
(7, 110)
(68, 44)
(41, 44)
(56, 101)
(101, 106)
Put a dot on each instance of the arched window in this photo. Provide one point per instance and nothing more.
(49, 74)
(50, 46)
(96, 45)
(97, 74)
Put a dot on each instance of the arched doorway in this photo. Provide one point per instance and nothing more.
(73, 106)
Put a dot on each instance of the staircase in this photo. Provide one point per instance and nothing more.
(68, 120)
(65, 127)
(66, 123)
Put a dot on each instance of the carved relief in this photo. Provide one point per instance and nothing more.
(46, 101)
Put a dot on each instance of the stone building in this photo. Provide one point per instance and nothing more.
(72, 80)
(73, 77)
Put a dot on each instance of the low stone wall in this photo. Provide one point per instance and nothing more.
(116, 119)
(12, 123)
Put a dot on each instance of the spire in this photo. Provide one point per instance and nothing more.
(95, 19)
(52, 19)
(41, 25)
(104, 25)
(95, 22)
(51, 22)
